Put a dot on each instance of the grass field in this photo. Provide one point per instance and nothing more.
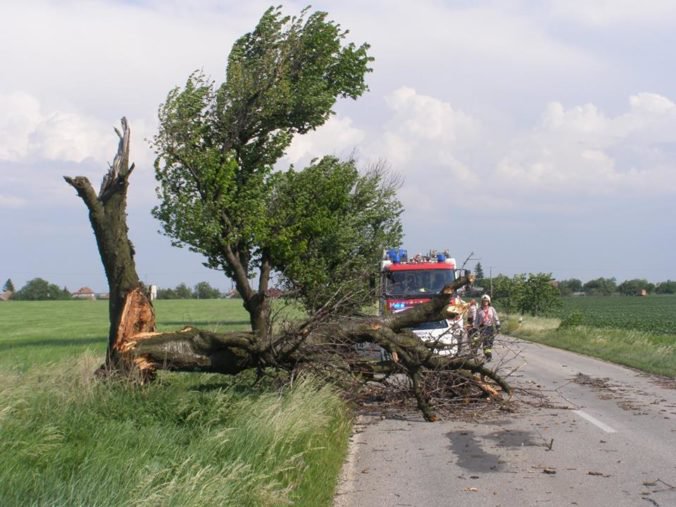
(35, 332)
(652, 314)
(639, 332)
(187, 439)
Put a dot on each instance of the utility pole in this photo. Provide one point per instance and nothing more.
(490, 274)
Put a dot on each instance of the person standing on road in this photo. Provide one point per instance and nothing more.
(487, 323)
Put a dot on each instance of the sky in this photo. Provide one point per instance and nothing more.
(531, 136)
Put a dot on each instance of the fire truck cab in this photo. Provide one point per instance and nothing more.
(406, 282)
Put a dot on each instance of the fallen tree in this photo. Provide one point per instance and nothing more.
(323, 343)
(320, 344)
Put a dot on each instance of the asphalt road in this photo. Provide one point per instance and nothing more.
(584, 432)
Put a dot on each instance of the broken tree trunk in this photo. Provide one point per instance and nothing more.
(130, 310)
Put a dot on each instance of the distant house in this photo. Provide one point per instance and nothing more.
(84, 293)
(5, 296)
(232, 294)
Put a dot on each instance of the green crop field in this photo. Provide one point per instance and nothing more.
(652, 314)
(639, 332)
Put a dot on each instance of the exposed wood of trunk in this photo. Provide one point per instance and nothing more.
(130, 310)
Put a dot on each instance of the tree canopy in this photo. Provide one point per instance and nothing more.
(534, 293)
(600, 286)
(39, 289)
(570, 286)
(635, 287)
(668, 287)
(217, 145)
(205, 291)
(9, 286)
(479, 273)
(329, 225)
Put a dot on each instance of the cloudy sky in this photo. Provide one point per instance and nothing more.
(539, 135)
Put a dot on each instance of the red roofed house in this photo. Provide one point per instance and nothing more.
(84, 293)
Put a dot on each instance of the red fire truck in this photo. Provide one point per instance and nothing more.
(406, 282)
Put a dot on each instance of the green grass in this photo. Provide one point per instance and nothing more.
(35, 332)
(649, 352)
(187, 439)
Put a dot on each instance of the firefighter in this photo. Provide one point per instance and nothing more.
(487, 323)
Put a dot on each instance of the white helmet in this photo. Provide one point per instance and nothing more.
(485, 297)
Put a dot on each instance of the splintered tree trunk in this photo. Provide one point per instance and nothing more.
(130, 310)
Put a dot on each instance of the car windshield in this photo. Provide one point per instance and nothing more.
(416, 282)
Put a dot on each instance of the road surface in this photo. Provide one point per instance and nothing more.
(584, 433)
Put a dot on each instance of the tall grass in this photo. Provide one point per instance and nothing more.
(652, 353)
(187, 439)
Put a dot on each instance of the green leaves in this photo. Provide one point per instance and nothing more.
(287, 74)
(217, 145)
(328, 227)
(535, 294)
(39, 289)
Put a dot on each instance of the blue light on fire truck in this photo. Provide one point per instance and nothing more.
(397, 255)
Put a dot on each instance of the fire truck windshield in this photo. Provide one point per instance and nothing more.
(416, 282)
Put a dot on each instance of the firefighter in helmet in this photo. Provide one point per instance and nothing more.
(487, 323)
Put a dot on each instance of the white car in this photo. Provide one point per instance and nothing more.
(448, 334)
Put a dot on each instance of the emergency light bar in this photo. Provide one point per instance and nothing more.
(396, 255)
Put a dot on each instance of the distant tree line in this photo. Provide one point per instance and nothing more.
(201, 291)
(533, 293)
(524, 293)
(596, 287)
(609, 287)
(537, 294)
(39, 289)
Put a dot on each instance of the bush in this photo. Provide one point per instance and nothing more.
(571, 320)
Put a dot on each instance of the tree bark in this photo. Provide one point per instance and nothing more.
(130, 310)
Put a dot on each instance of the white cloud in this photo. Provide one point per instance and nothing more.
(425, 118)
(11, 201)
(582, 150)
(652, 104)
(39, 145)
(585, 119)
(27, 131)
(337, 137)
(603, 13)
(424, 132)
(19, 113)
